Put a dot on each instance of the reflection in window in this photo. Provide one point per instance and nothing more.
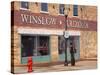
(61, 8)
(27, 46)
(43, 45)
(34, 45)
(61, 45)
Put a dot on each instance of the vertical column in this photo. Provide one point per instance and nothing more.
(17, 5)
(88, 44)
(35, 45)
(54, 48)
(34, 7)
(15, 49)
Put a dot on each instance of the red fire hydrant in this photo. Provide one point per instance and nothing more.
(30, 63)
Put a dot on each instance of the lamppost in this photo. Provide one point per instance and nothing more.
(66, 36)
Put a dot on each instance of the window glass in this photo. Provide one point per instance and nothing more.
(61, 8)
(44, 7)
(61, 44)
(25, 5)
(34, 45)
(27, 46)
(43, 45)
(75, 10)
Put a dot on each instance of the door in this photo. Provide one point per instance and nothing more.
(75, 40)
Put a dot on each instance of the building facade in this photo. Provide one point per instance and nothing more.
(38, 31)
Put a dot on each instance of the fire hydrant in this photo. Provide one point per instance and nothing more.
(30, 63)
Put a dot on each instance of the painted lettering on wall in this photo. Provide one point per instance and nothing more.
(77, 24)
(47, 20)
(38, 19)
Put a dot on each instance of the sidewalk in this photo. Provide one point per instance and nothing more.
(80, 65)
(90, 59)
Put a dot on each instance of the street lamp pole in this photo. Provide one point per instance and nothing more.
(66, 62)
(65, 37)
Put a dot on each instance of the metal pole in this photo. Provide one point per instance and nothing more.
(66, 62)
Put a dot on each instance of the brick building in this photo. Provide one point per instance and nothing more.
(37, 31)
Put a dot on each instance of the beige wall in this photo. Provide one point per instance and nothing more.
(88, 13)
(54, 48)
(88, 44)
(16, 50)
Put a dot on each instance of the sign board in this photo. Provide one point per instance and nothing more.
(39, 20)
(66, 34)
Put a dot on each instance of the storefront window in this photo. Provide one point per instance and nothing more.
(34, 46)
(61, 45)
(43, 45)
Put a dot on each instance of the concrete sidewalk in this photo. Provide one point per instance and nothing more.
(80, 65)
